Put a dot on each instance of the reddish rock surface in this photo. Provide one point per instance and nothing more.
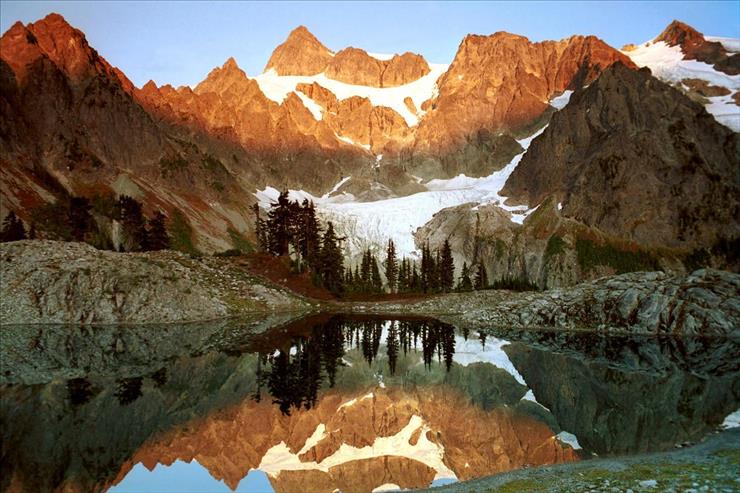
(300, 54)
(355, 66)
(504, 82)
(476, 442)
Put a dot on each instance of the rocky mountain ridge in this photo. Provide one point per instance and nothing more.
(72, 124)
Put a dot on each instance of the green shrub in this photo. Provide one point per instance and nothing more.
(181, 234)
(591, 255)
(169, 165)
(513, 284)
(239, 242)
(555, 246)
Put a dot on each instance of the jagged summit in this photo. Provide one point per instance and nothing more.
(301, 54)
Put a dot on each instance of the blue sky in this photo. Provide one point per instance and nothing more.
(180, 42)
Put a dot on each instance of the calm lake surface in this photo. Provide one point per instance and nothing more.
(339, 402)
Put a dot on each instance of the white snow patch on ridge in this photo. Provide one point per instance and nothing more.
(731, 421)
(568, 438)
(280, 458)
(667, 63)
(560, 102)
(730, 44)
(277, 87)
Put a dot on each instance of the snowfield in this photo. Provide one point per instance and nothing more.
(667, 63)
(277, 88)
(372, 224)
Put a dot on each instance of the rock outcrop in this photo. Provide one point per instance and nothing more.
(637, 159)
(59, 282)
(355, 66)
(702, 303)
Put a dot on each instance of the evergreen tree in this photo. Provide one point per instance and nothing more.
(307, 234)
(129, 212)
(427, 268)
(12, 229)
(158, 237)
(280, 225)
(446, 268)
(330, 261)
(391, 266)
(32, 231)
(415, 279)
(366, 272)
(80, 219)
(260, 229)
(465, 284)
(481, 277)
(376, 281)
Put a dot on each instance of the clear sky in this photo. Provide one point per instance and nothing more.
(180, 42)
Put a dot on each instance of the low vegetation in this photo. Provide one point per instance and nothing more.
(591, 255)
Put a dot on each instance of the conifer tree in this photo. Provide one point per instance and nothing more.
(279, 225)
(80, 219)
(260, 229)
(131, 217)
(446, 268)
(391, 266)
(481, 277)
(308, 234)
(158, 237)
(330, 262)
(465, 284)
(376, 281)
(12, 229)
(32, 231)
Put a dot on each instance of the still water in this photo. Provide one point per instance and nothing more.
(339, 402)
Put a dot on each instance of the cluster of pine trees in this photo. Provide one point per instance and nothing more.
(74, 219)
(435, 274)
(14, 230)
(292, 228)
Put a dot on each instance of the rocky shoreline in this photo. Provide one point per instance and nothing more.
(59, 282)
(55, 282)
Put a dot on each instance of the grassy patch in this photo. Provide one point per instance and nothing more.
(170, 165)
(555, 246)
(239, 242)
(591, 255)
(181, 234)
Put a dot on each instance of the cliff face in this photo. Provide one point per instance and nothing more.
(503, 82)
(636, 159)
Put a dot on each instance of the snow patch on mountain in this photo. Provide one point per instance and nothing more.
(667, 63)
(279, 458)
(277, 87)
(372, 224)
(730, 44)
(560, 102)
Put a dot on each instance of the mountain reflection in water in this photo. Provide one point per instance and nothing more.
(340, 402)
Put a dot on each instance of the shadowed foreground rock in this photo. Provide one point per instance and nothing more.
(58, 282)
(705, 302)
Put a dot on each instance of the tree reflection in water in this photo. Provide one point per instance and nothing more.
(294, 372)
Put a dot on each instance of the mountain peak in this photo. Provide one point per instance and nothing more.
(301, 54)
(695, 47)
(221, 78)
(680, 33)
(230, 64)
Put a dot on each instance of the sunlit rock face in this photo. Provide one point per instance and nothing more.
(360, 441)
